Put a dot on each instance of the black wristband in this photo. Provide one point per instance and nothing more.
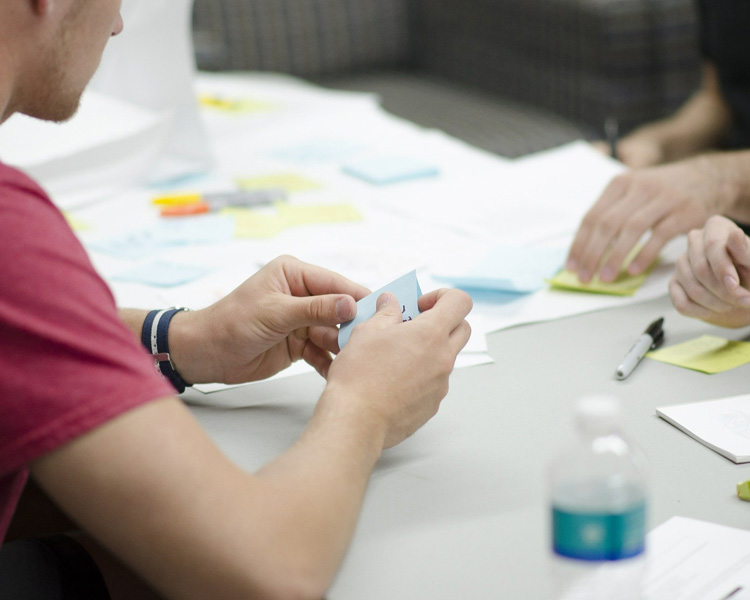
(155, 338)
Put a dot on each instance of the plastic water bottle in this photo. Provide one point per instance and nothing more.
(598, 500)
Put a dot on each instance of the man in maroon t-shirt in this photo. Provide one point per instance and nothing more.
(90, 431)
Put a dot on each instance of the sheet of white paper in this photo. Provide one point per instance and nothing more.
(695, 560)
(723, 425)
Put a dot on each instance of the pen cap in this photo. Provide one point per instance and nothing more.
(598, 414)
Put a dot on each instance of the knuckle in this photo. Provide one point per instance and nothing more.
(701, 268)
(635, 226)
(693, 289)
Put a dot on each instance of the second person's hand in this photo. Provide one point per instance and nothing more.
(667, 201)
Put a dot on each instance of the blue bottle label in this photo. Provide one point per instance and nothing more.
(599, 536)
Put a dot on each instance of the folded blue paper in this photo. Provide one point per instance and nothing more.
(517, 269)
(163, 274)
(405, 288)
(381, 170)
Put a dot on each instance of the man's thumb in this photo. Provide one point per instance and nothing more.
(330, 309)
(387, 306)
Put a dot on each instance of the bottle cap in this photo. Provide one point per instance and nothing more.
(598, 414)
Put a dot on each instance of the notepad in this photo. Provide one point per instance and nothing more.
(405, 288)
(707, 354)
(381, 170)
(723, 425)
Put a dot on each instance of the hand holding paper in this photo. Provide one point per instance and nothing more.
(407, 292)
(402, 368)
(287, 311)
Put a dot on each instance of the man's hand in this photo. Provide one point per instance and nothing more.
(667, 200)
(711, 279)
(285, 312)
(396, 372)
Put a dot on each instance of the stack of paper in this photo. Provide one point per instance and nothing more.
(723, 425)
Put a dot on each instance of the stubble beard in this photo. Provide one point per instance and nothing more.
(59, 98)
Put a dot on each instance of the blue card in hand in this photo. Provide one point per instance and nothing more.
(405, 288)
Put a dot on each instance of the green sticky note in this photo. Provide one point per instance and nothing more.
(289, 182)
(707, 354)
(743, 491)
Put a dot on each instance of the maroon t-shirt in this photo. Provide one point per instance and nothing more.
(67, 363)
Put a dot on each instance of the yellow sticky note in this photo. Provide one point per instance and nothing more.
(320, 213)
(707, 354)
(623, 285)
(255, 224)
(76, 224)
(743, 491)
(289, 182)
(233, 105)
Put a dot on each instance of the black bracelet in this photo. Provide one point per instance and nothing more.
(155, 338)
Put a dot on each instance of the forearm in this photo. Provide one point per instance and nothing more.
(322, 481)
(701, 124)
(731, 173)
(187, 346)
(133, 319)
(157, 492)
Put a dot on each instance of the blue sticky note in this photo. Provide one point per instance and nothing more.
(319, 150)
(167, 233)
(405, 288)
(163, 274)
(381, 170)
(132, 245)
(516, 269)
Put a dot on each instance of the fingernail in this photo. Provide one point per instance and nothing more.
(730, 282)
(607, 274)
(343, 309)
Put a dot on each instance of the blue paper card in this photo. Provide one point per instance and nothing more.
(405, 288)
(516, 269)
(163, 274)
(381, 170)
